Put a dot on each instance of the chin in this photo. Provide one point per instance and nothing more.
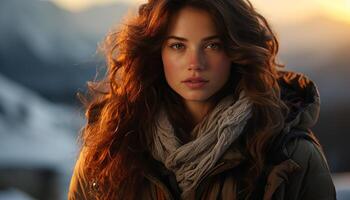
(196, 97)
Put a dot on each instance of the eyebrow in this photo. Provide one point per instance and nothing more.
(184, 39)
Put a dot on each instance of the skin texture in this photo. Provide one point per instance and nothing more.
(195, 57)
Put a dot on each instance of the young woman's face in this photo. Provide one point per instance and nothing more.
(195, 63)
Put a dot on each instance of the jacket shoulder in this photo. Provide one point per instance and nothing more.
(305, 152)
(314, 180)
(80, 187)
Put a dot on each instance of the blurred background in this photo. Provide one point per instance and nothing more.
(48, 53)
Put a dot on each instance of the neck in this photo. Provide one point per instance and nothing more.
(198, 110)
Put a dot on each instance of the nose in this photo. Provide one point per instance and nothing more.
(196, 61)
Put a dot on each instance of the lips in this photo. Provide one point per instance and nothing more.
(195, 82)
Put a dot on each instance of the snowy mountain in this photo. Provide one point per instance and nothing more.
(44, 28)
(50, 50)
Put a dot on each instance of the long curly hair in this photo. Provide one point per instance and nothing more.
(121, 108)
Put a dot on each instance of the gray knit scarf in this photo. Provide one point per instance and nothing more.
(214, 134)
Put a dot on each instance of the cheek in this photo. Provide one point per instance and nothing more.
(170, 66)
(220, 65)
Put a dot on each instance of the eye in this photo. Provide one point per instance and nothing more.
(215, 45)
(176, 46)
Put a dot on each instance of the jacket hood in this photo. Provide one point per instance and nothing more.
(301, 96)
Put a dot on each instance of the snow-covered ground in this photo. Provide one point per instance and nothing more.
(35, 133)
(342, 184)
(14, 194)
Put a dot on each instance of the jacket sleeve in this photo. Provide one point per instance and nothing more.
(79, 185)
(314, 181)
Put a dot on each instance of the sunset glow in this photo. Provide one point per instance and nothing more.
(336, 9)
(77, 5)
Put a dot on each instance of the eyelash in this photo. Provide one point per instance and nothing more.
(218, 45)
(172, 45)
(214, 43)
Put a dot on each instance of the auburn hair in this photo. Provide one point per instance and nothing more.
(122, 106)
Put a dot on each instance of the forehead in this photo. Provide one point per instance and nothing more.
(193, 23)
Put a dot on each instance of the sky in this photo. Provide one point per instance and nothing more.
(285, 10)
(76, 5)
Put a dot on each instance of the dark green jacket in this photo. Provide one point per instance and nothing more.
(298, 168)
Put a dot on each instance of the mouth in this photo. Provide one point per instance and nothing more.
(195, 82)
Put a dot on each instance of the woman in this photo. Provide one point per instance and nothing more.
(195, 107)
